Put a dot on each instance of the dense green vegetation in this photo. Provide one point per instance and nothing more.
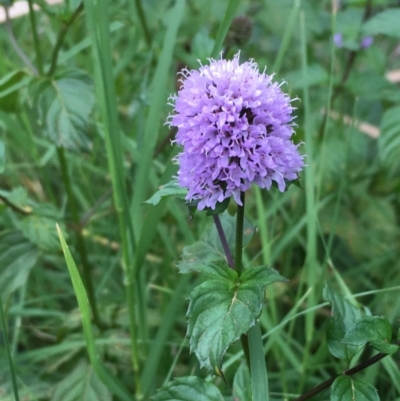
(83, 143)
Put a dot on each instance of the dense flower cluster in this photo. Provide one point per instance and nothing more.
(235, 126)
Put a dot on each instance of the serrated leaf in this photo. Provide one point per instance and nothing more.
(41, 231)
(82, 384)
(17, 258)
(344, 314)
(344, 388)
(62, 107)
(368, 328)
(389, 139)
(171, 188)
(40, 227)
(384, 347)
(386, 23)
(371, 329)
(208, 251)
(242, 384)
(188, 389)
(223, 309)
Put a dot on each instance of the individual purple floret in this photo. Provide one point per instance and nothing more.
(338, 39)
(235, 126)
(366, 42)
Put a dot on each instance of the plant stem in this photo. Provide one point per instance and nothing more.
(16, 46)
(60, 39)
(244, 339)
(224, 241)
(80, 240)
(349, 372)
(17, 209)
(239, 235)
(143, 22)
(39, 58)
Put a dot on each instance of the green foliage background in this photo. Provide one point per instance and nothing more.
(83, 144)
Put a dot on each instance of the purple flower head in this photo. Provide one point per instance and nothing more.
(234, 125)
(338, 39)
(366, 42)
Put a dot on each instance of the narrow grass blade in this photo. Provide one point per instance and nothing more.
(98, 24)
(224, 27)
(170, 314)
(112, 383)
(8, 352)
(259, 376)
(157, 101)
(311, 268)
(286, 37)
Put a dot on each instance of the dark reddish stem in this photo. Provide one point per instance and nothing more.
(224, 241)
(349, 372)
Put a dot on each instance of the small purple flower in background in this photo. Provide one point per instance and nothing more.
(366, 42)
(338, 39)
(235, 126)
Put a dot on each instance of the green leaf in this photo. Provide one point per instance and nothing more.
(62, 107)
(208, 251)
(188, 389)
(242, 384)
(40, 227)
(372, 329)
(9, 87)
(18, 196)
(386, 23)
(220, 207)
(202, 46)
(315, 75)
(82, 384)
(259, 373)
(389, 139)
(112, 382)
(345, 388)
(17, 258)
(2, 157)
(171, 188)
(344, 314)
(369, 85)
(221, 309)
(384, 347)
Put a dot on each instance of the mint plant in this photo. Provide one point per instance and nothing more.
(235, 126)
